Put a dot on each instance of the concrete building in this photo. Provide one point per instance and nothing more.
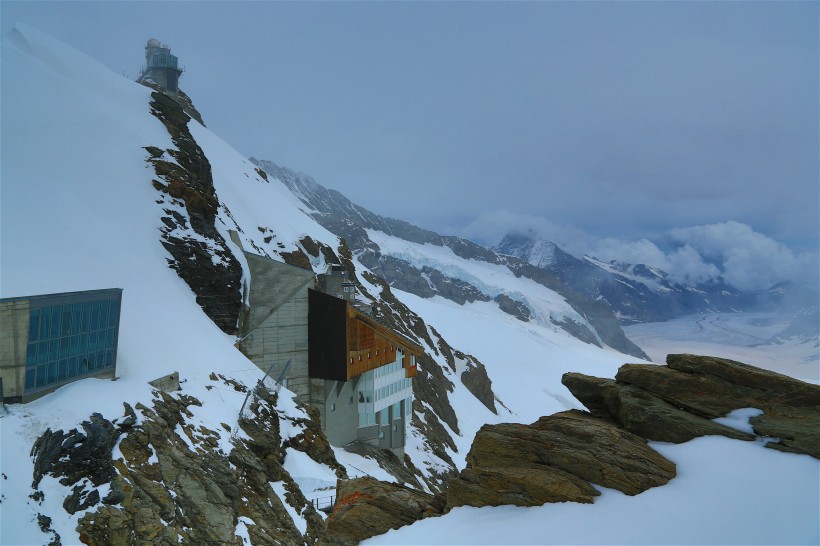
(161, 67)
(355, 371)
(47, 341)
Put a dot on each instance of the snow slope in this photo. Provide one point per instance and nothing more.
(78, 213)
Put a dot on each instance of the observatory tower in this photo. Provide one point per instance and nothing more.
(161, 67)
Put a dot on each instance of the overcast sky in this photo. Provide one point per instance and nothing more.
(586, 121)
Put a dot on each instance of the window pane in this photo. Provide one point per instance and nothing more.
(42, 352)
(73, 363)
(62, 372)
(31, 354)
(86, 317)
(66, 321)
(112, 315)
(103, 314)
(45, 320)
(64, 347)
(52, 372)
(109, 358)
(76, 318)
(95, 314)
(83, 365)
(74, 345)
(83, 343)
(30, 376)
(34, 325)
(54, 349)
(56, 312)
(42, 372)
(92, 341)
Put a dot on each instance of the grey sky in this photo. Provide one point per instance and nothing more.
(623, 119)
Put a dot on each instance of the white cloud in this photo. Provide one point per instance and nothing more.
(746, 259)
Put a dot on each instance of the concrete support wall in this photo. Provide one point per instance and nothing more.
(342, 411)
(14, 317)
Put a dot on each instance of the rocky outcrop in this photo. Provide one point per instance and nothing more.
(171, 480)
(555, 459)
(676, 403)
(640, 412)
(515, 308)
(366, 507)
(475, 378)
(189, 203)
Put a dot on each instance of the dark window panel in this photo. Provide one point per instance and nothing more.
(52, 372)
(103, 314)
(42, 352)
(45, 321)
(53, 349)
(31, 354)
(95, 315)
(62, 372)
(73, 363)
(34, 325)
(64, 347)
(31, 375)
(65, 328)
(112, 315)
(86, 317)
(56, 313)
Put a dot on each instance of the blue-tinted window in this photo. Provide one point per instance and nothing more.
(54, 349)
(56, 313)
(95, 315)
(83, 343)
(45, 321)
(74, 345)
(52, 372)
(83, 365)
(76, 318)
(42, 352)
(31, 374)
(103, 314)
(73, 363)
(112, 316)
(64, 347)
(86, 317)
(31, 354)
(34, 325)
(62, 371)
(41, 375)
(66, 321)
(92, 341)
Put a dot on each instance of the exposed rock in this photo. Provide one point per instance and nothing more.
(175, 484)
(402, 469)
(642, 413)
(477, 381)
(366, 507)
(76, 456)
(186, 190)
(712, 387)
(515, 308)
(553, 459)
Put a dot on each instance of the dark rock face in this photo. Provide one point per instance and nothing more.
(512, 307)
(642, 413)
(675, 403)
(477, 381)
(554, 460)
(174, 484)
(190, 204)
(78, 456)
(366, 507)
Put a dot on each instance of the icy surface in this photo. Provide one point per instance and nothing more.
(722, 495)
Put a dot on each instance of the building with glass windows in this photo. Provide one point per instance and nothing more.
(310, 331)
(47, 341)
(161, 67)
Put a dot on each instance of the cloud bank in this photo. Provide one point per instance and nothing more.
(743, 257)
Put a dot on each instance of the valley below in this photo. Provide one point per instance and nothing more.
(745, 337)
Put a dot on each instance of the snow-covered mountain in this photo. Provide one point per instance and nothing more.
(105, 183)
(427, 264)
(636, 292)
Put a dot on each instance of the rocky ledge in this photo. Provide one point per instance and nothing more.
(559, 457)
